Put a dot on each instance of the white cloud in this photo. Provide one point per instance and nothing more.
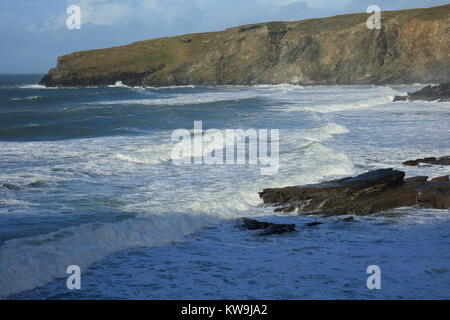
(166, 12)
(103, 12)
(52, 22)
(96, 12)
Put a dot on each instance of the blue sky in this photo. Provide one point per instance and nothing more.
(33, 32)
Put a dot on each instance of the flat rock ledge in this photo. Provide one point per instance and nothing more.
(439, 93)
(368, 193)
(443, 161)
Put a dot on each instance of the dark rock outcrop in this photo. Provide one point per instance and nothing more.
(267, 227)
(445, 161)
(368, 193)
(439, 93)
(410, 47)
(312, 224)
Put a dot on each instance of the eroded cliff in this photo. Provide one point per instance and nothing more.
(412, 46)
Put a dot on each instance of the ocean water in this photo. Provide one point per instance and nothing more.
(86, 178)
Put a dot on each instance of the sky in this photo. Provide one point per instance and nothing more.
(33, 33)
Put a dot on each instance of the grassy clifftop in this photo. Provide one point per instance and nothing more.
(412, 46)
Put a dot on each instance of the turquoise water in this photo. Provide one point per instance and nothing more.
(86, 178)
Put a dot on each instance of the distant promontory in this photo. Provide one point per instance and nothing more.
(412, 46)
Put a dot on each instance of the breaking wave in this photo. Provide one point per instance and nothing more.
(30, 262)
(27, 98)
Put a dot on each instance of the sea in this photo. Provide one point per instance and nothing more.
(88, 179)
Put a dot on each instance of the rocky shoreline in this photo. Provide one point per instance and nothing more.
(440, 93)
(445, 161)
(368, 193)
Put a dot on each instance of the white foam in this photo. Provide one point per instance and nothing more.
(191, 98)
(37, 87)
(278, 87)
(174, 201)
(289, 94)
(118, 84)
(162, 152)
(323, 132)
(171, 201)
(366, 103)
(30, 262)
(166, 87)
(27, 98)
(142, 160)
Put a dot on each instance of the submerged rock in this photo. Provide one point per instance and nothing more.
(368, 193)
(269, 228)
(439, 93)
(252, 224)
(431, 160)
(277, 229)
(312, 224)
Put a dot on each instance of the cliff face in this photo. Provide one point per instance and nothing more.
(412, 46)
